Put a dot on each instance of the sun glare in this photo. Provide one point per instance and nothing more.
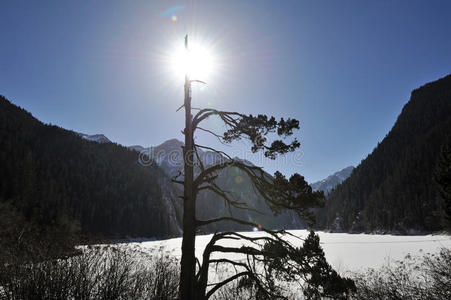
(197, 62)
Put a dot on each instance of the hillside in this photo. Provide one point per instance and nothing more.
(394, 189)
(55, 178)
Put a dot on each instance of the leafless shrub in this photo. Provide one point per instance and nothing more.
(100, 273)
(416, 277)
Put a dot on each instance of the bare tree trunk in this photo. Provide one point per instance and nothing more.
(188, 261)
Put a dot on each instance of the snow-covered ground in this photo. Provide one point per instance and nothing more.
(346, 252)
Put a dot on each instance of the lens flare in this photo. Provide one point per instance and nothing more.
(172, 10)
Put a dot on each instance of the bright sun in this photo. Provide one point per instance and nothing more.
(197, 62)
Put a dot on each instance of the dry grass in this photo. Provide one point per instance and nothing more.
(415, 277)
(101, 273)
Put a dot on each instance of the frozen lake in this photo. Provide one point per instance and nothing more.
(344, 251)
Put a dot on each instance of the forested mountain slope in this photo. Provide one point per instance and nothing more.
(394, 189)
(54, 178)
(59, 180)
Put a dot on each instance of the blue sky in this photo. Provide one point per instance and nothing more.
(343, 68)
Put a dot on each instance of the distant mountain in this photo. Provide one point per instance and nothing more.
(99, 138)
(56, 178)
(169, 157)
(394, 189)
(137, 148)
(326, 185)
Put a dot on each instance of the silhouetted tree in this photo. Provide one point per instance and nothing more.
(269, 257)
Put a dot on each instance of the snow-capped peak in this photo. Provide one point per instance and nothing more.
(98, 138)
(329, 183)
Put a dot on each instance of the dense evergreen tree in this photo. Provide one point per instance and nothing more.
(443, 178)
(393, 189)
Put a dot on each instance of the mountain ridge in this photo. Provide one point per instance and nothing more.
(56, 178)
(393, 189)
(330, 182)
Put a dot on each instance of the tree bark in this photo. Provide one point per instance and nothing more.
(188, 261)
